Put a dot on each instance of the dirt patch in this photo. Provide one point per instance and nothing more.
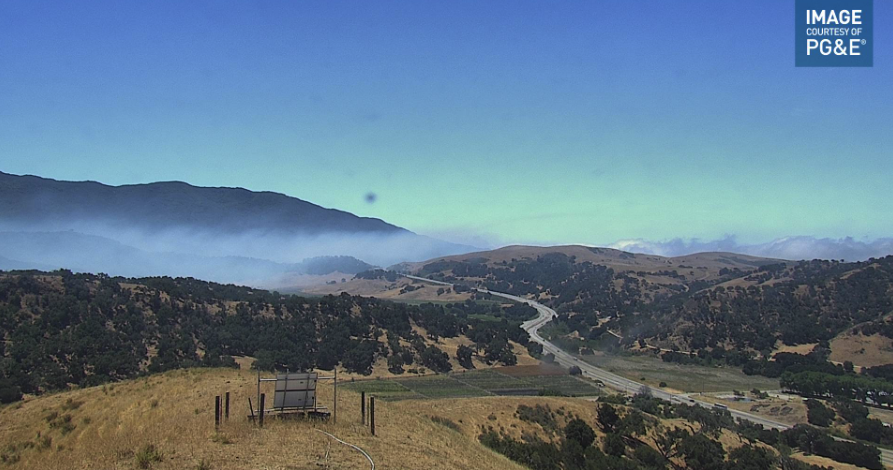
(790, 410)
(798, 349)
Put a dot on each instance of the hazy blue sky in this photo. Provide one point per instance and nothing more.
(517, 121)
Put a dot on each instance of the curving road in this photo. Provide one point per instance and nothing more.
(610, 379)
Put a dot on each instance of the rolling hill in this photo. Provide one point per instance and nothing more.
(540, 270)
(48, 203)
(166, 421)
(617, 259)
(174, 228)
(706, 304)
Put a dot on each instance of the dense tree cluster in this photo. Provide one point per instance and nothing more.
(818, 414)
(848, 386)
(60, 328)
(696, 445)
(815, 441)
(719, 322)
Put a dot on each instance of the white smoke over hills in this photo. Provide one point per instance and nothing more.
(792, 248)
(176, 229)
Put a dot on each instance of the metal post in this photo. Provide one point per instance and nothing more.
(258, 385)
(335, 398)
(216, 412)
(372, 414)
(262, 400)
(226, 407)
(363, 408)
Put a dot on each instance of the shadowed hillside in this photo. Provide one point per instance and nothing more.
(159, 206)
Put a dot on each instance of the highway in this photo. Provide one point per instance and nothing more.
(610, 379)
(621, 384)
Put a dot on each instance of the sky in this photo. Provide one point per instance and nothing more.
(479, 122)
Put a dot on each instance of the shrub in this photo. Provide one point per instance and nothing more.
(539, 414)
(446, 422)
(9, 392)
(62, 423)
(537, 455)
(9, 455)
(148, 455)
(577, 430)
(221, 438)
(71, 404)
(44, 442)
(203, 465)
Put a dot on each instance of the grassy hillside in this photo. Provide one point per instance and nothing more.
(112, 426)
(165, 421)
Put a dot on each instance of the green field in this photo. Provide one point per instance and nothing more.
(440, 386)
(382, 388)
(486, 379)
(688, 378)
(652, 370)
(474, 383)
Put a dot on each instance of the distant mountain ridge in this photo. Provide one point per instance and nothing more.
(157, 206)
(174, 228)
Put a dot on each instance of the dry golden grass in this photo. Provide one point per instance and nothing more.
(798, 349)
(174, 412)
(383, 289)
(863, 351)
(824, 462)
(476, 414)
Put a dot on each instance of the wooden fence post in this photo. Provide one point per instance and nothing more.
(217, 412)
(261, 416)
(226, 407)
(363, 408)
(372, 414)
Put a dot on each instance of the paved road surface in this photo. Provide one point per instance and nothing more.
(610, 379)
